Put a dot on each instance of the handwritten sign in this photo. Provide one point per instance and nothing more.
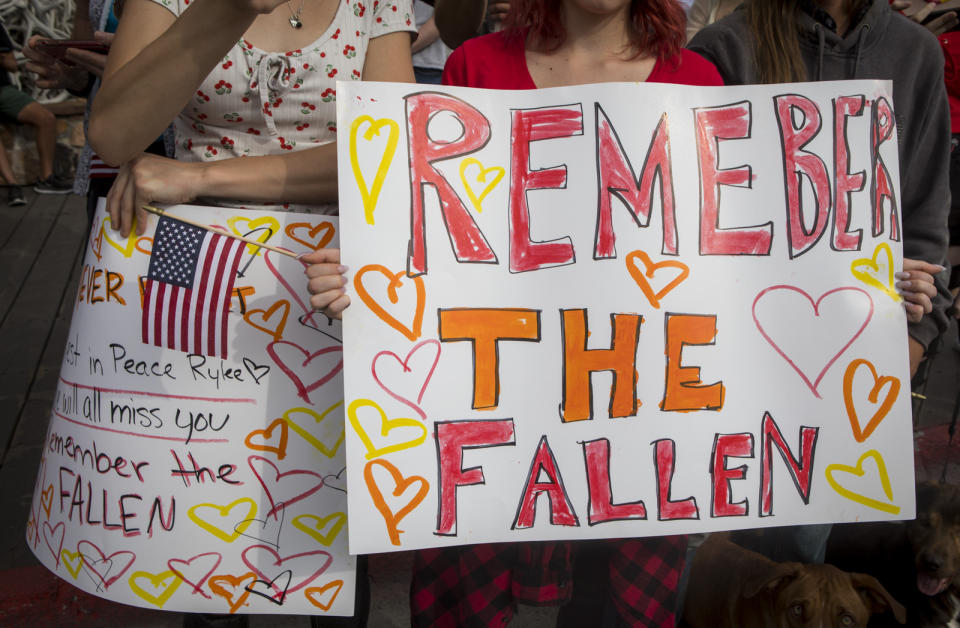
(189, 481)
(620, 310)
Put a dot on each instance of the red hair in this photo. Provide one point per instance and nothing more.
(655, 27)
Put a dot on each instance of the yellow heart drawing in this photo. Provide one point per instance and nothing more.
(314, 525)
(271, 224)
(867, 269)
(158, 583)
(308, 436)
(476, 199)
(369, 195)
(858, 471)
(386, 425)
(69, 559)
(198, 515)
(126, 249)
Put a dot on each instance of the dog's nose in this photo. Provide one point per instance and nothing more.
(931, 562)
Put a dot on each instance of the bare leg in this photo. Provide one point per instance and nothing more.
(38, 116)
(5, 170)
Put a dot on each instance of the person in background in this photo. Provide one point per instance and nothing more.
(429, 51)
(80, 74)
(705, 12)
(459, 20)
(18, 107)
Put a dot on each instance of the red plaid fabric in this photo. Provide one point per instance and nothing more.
(478, 586)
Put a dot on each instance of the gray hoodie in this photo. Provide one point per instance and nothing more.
(883, 45)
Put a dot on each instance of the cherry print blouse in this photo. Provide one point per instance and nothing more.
(264, 103)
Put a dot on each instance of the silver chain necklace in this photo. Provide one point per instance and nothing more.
(294, 19)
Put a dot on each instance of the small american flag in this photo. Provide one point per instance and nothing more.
(187, 293)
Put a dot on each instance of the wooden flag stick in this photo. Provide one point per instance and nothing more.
(159, 212)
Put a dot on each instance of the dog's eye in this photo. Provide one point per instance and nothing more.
(796, 610)
(846, 620)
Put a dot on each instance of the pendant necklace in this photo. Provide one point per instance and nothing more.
(294, 18)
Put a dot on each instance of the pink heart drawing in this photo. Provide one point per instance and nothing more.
(201, 565)
(293, 364)
(816, 312)
(56, 534)
(305, 566)
(307, 311)
(271, 485)
(406, 373)
(94, 560)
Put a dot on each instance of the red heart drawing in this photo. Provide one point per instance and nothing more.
(94, 560)
(816, 311)
(56, 534)
(188, 571)
(419, 378)
(271, 485)
(303, 565)
(289, 365)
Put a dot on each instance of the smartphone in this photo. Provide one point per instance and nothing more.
(57, 48)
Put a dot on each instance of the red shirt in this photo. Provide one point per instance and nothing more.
(950, 42)
(498, 62)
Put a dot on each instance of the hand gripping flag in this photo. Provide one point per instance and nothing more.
(186, 297)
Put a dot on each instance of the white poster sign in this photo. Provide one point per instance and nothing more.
(620, 310)
(194, 459)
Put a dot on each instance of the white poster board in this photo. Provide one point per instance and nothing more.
(620, 310)
(176, 480)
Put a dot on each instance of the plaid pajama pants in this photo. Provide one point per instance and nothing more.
(478, 586)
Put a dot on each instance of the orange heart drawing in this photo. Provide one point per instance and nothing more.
(236, 595)
(46, 500)
(314, 243)
(315, 594)
(395, 281)
(861, 434)
(641, 276)
(280, 449)
(401, 484)
(276, 332)
(146, 249)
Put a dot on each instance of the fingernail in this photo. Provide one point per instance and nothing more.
(342, 269)
(901, 285)
(299, 257)
(902, 275)
(940, 267)
(343, 290)
(343, 280)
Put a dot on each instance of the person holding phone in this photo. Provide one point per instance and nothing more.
(16, 106)
(77, 65)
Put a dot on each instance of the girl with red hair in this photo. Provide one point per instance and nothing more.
(622, 582)
(550, 43)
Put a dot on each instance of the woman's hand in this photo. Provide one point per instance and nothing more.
(92, 62)
(52, 74)
(916, 287)
(148, 179)
(326, 282)
(918, 11)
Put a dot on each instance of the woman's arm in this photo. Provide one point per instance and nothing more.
(307, 176)
(155, 64)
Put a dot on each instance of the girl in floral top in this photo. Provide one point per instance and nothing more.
(251, 88)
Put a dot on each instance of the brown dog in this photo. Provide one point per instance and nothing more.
(918, 562)
(733, 587)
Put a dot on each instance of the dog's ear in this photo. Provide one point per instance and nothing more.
(876, 597)
(770, 577)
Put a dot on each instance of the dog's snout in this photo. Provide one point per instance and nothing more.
(931, 562)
